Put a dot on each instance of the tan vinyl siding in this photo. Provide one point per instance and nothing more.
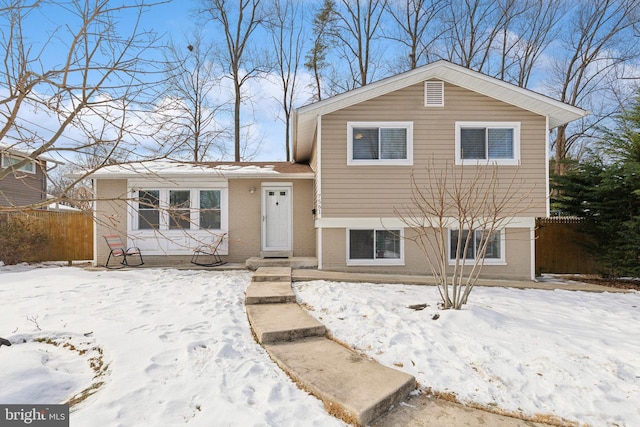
(23, 188)
(517, 251)
(111, 213)
(374, 191)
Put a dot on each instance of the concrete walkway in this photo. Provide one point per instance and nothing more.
(352, 387)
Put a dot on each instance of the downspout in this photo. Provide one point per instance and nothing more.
(94, 209)
(547, 200)
(546, 157)
(45, 176)
(533, 250)
(319, 187)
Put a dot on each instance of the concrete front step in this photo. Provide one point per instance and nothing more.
(254, 263)
(282, 322)
(352, 387)
(269, 293)
(272, 274)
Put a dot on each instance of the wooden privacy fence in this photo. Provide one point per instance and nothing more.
(562, 248)
(70, 235)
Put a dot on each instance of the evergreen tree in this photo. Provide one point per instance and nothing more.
(316, 59)
(605, 191)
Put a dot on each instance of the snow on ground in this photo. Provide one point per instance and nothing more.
(172, 347)
(575, 355)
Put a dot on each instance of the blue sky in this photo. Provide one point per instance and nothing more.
(175, 19)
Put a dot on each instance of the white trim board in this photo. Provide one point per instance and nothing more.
(372, 222)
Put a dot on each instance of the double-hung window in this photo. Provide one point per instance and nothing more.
(494, 252)
(488, 142)
(210, 210)
(380, 143)
(9, 161)
(369, 247)
(179, 209)
(148, 209)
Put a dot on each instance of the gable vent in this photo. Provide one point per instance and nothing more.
(434, 93)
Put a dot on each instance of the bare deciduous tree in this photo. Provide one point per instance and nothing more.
(238, 21)
(597, 44)
(535, 29)
(357, 29)
(80, 91)
(473, 205)
(472, 29)
(417, 28)
(188, 111)
(286, 33)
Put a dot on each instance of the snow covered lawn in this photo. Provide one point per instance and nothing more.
(575, 355)
(169, 347)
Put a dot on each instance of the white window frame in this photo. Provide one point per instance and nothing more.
(515, 126)
(379, 261)
(487, 261)
(6, 163)
(164, 208)
(136, 218)
(379, 162)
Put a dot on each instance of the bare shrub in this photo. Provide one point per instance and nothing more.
(473, 201)
(20, 238)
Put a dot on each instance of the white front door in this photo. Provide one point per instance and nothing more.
(276, 218)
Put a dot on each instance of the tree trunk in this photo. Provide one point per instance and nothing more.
(287, 136)
(236, 119)
(561, 150)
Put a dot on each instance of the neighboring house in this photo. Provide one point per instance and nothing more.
(337, 201)
(25, 185)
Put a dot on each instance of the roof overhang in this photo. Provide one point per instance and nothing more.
(19, 153)
(305, 118)
(162, 169)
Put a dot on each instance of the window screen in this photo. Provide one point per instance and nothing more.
(148, 209)
(179, 213)
(379, 143)
(374, 244)
(493, 250)
(210, 209)
(487, 143)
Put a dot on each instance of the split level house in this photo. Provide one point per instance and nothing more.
(24, 185)
(338, 200)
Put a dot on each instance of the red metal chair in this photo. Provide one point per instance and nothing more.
(118, 249)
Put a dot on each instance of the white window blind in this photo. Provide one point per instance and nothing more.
(495, 142)
(372, 143)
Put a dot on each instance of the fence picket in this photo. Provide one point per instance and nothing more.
(561, 247)
(70, 235)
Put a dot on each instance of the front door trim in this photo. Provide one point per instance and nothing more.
(286, 249)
